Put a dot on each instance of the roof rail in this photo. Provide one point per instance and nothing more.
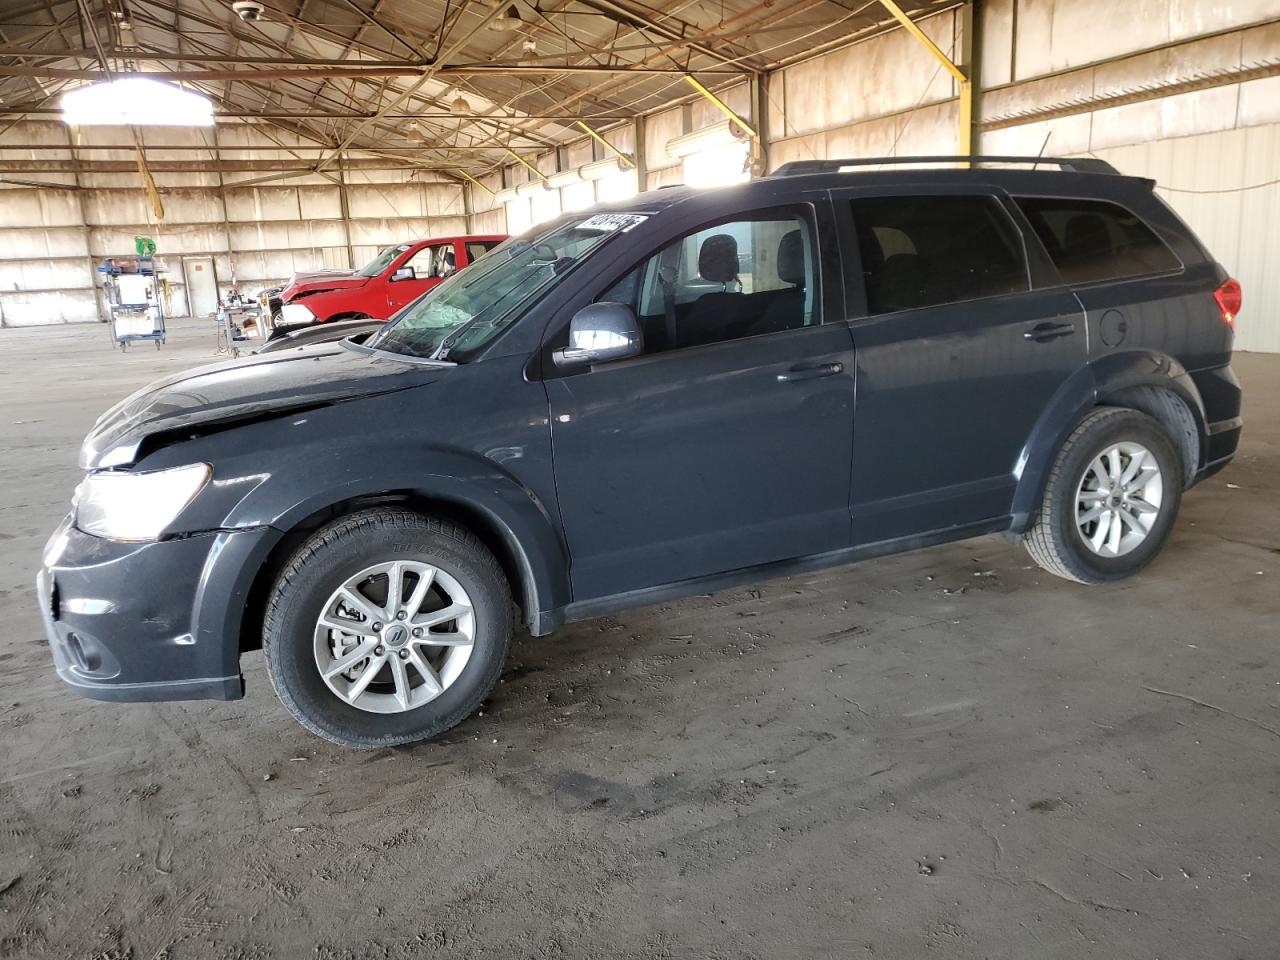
(1072, 164)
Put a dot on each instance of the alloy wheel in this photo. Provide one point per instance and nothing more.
(394, 636)
(1118, 499)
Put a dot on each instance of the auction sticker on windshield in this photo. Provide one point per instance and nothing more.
(613, 221)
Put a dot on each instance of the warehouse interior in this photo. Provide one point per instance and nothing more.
(944, 751)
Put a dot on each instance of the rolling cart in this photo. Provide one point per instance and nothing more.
(133, 297)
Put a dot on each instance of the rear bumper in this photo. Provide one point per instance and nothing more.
(146, 621)
(1222, 397)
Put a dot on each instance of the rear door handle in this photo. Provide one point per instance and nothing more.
(810, 372)
(1044, 332)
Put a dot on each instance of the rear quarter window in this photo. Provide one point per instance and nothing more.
(1095, 240)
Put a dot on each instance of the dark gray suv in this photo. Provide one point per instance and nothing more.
(682, 392)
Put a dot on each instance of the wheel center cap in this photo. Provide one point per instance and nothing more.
(395, 635)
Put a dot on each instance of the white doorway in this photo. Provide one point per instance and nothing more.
(202, 286)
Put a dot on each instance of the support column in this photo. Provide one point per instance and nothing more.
(345, 208)
(226, 227)
(964, 78)
(971, 88)
(642, 164)
(84, 222)
(760, 114)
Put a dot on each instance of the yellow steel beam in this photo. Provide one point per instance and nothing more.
(477, 182)
(965, 140)
(724, 107)
(912, 28)
(522, 160)
(606, 144)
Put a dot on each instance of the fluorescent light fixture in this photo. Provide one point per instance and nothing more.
(720, 166)
(599, 170)
(136, 101)
(708, 138)
(505, 196)
(532, 188)
(566, 179)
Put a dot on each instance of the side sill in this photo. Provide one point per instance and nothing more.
(546, 621)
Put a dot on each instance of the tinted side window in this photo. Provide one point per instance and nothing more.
(922, 251)
(738, 279)
(1094, 240)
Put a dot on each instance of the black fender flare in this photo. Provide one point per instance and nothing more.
(1105, 380)
(467, 483)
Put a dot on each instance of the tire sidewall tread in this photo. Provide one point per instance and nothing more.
(343, 548)
(1053, 540)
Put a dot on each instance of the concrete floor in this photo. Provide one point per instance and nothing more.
(945, 753)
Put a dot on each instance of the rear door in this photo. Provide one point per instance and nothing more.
(963, 334)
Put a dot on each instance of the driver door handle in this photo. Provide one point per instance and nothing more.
(813, 371)
(1044, 332)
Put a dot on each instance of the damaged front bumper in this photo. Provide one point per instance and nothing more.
(148, 621)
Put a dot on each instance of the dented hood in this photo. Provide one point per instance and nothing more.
(341, 281)
(221, 394)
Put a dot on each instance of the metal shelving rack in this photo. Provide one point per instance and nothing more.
(133, 296)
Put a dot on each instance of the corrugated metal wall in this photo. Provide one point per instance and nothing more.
(1226, 184)
(51, 238)
(1215, 149)
(1048, 68)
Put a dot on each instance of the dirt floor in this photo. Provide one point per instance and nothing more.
(944, 754)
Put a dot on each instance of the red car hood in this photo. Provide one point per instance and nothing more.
(315, 284)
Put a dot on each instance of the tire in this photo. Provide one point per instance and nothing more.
(295, 642)
(1076, 488)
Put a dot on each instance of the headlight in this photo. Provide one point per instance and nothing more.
(136, 506)
(296, 313)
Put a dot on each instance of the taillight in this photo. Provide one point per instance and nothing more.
(1229, 297)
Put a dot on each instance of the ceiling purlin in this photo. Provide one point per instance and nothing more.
(674, 29)
(350, 91)
(56, 26)
(262, 40)
(446, 54)
(600, 105)
(225, 95)
(371, 18)
(755, 16)
(306, 95)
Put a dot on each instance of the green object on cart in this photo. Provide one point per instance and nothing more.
(145, 246)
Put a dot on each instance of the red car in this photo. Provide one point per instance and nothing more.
(393, 279)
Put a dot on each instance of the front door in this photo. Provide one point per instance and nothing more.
(959, 354)
(727, 443)
(429, 264)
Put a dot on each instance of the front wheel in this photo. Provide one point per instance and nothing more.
(1110, 500)
(387, 627)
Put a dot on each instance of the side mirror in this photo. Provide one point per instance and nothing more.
(601, 332)
(404, 273)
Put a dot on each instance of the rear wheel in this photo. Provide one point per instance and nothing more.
(387, 627)
(1111, 498)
